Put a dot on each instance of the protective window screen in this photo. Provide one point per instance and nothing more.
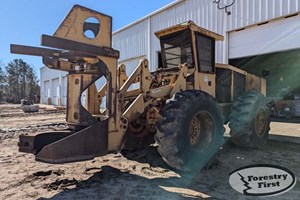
(177, 49)
(205, 46)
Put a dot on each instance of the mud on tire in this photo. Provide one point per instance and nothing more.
(190, 130)
(250, 120)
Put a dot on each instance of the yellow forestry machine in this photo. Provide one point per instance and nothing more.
(182, 105)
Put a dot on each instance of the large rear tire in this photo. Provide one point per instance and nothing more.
(250, 120)
(190, 130)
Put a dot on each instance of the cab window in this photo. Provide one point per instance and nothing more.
(206, 52)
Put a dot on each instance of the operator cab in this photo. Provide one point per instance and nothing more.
(177, 49)
(195, 46)
(188, 43)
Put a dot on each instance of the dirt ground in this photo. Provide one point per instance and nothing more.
(133, 175)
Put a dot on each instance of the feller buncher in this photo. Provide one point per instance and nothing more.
(182, 105)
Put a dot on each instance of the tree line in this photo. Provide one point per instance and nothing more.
(18, 81)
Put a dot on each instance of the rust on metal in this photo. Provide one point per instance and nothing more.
(39, 51)
(86, 60)
(61, 43)
(81, 145)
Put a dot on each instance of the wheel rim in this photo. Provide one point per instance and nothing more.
(137, 129)
(201, 130)
(261, 122)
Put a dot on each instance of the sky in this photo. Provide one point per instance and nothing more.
(23, 22)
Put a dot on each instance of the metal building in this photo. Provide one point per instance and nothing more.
(53, 86)
(253, 27)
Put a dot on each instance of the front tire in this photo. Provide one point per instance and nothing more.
(190, 130)
(250, 120)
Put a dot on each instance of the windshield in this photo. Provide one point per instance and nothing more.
(177, 49)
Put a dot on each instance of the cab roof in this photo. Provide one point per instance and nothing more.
(188, 25)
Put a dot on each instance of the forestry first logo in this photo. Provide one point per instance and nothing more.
(262, 180)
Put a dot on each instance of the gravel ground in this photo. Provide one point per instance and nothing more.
(131, 175)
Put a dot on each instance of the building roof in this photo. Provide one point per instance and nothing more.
(148, 16)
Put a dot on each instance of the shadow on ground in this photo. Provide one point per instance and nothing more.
(111, 183)
(295, 120)
(108, 182)
(148, 155)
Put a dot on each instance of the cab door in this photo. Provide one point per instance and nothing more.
(205, 60)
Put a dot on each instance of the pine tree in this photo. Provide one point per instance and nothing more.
(2, 84)
(22, 82)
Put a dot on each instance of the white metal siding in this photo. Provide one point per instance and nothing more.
(204, 13)
(46, 92)
(132, 42)
(131, 64)
(248, 12)
(49, 74)
(138, 39)
(275, 36)
(64, 91)
(55, 91)
(50, 80)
